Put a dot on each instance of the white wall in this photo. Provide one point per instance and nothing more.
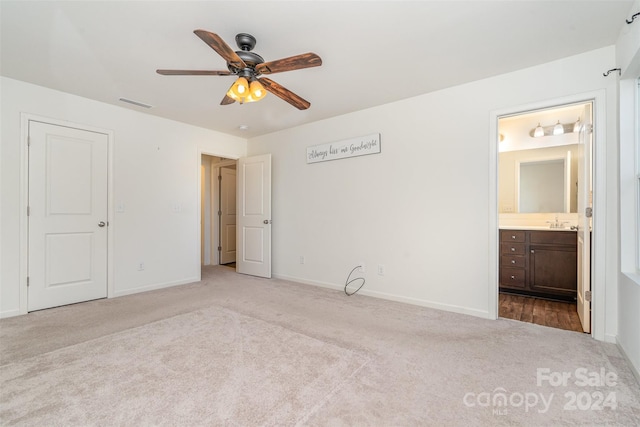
(156, 166)
(421, 207)
(628, 58)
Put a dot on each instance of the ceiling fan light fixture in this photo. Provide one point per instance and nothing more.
(231, 94)
(240, 87)
(538, 131)
(256, 90)
(558, 129)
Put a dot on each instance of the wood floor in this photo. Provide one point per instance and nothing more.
(562, 315)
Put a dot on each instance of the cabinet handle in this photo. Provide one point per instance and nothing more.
(513, 249)
(513, 261)
(513, 237)
(532, 251)
(513, 277)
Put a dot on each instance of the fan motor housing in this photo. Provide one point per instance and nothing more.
(250, 58)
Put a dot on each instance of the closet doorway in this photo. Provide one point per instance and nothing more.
(218, 211)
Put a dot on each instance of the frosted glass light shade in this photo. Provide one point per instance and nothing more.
(558, 129)
(538, 132)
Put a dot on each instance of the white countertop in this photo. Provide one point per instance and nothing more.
(533, 227)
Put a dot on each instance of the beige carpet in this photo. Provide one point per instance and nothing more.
(237, 350)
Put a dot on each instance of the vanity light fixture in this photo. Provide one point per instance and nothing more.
(538, 131)
(555, 130)
(558, 129)
(576, 125)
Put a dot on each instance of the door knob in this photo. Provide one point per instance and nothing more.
(267, 221)
(101, 224)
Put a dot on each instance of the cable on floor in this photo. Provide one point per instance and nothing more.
(350, 281)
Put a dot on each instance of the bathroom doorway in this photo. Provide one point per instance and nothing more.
(545, 195)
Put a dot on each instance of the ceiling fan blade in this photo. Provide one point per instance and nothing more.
(305, 60)
(193, 72)
(284, 94)
(216, 43)
(227, 100)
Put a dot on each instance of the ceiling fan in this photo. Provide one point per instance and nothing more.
(249, 67)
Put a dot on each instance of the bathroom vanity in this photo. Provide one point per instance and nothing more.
(539, 262)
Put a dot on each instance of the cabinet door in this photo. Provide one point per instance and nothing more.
(512, 278)
(552, 269)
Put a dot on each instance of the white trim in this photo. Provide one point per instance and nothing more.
(25, 118)
(383, 295)
(156, 286)
(494, 233)
(598, 264)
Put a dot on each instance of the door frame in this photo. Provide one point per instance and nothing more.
(25, 118)
(598, 161)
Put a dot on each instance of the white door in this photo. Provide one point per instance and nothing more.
(227, 179)
(67, 215)
(585, 186)
(254, 216)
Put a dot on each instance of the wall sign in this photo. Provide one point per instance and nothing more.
(361, 146)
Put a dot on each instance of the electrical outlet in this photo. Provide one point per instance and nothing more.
(140, 266)
(381, 269)
(301, 259)
(362, 267)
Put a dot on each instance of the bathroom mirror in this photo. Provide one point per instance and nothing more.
(542, 186)
(541, 180)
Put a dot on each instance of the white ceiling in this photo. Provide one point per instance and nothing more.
(373, 52)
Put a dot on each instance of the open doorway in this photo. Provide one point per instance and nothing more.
(545, 194)
(218, 211)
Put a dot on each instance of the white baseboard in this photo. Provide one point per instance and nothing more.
(392, 297)
(634, 369)
(10, 313)
(155, 286)
(610, 338)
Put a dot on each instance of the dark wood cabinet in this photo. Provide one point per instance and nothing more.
(540, 263)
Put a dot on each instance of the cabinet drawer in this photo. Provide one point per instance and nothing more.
(553, 237)
(508, 260)
(512, 277)
(512, 236)
(512, 248)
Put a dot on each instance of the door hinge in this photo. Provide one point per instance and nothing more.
(587, 296)
(219, 177)
(29, 141)
(27, 281)
(28, 210)
(588, 212)
(219, 248)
